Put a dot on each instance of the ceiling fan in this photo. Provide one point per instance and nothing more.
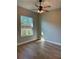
(40, 8)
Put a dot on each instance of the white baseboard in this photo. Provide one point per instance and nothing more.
(25, 42)
(54, 42)
(36, 39)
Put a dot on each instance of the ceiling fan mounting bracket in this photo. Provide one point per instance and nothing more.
(40, 0)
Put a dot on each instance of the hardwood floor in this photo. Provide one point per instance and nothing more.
(39, 50)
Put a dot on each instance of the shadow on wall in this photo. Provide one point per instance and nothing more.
(51, 26)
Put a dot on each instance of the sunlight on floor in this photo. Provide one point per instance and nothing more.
(42, 38)
(42, 42)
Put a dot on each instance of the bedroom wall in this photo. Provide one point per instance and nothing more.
(24, 12)
(51, 26)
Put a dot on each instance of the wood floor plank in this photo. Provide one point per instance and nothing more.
(39, 50)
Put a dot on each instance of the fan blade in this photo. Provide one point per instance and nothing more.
(36, 5)
(46, 10)
(34, 9)
(46, 6)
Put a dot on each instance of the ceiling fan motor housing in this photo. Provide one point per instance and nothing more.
(40, 8)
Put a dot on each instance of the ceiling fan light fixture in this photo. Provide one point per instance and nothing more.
(40, 11)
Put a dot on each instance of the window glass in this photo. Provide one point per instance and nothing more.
(26, 26)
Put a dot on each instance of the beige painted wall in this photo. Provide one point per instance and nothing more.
(24, 12)
(51, 25)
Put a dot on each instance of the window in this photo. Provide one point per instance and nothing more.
(26, 26)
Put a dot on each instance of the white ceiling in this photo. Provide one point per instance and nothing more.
(30, 4)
